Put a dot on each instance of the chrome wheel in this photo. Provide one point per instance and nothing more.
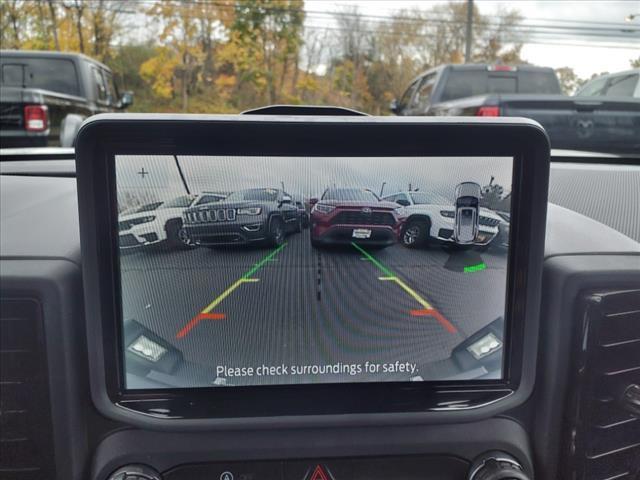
(411, 235)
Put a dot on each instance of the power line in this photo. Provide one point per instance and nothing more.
(514, 39)
(622, 26)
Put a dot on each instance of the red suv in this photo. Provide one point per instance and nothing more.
(345, 215)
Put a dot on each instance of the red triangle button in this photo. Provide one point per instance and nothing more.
(319, 474)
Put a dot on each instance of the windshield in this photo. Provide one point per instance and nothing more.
(55, 74)
(205, 198)
(179, 202)
(467, 83)
(430, 198)
(146, 208)
(406, 58)
(350, 195)
(258, 194)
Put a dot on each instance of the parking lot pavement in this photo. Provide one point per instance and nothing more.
(295, 305)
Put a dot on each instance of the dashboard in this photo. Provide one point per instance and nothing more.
(459, 374)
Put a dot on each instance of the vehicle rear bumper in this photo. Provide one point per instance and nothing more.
(14, 138)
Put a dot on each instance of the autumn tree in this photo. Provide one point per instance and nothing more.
(569, 80)
(265, 40)
(185, 54)
(66, 25)
(12, 23)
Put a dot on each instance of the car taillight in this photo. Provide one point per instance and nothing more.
(36, 118)
(488, 112)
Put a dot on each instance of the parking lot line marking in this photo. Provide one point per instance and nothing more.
(205, 314)
(427, 310)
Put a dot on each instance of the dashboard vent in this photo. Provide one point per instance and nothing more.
(603, 418)
(26, 445)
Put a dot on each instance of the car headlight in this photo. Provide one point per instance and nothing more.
(249, 211)
(322, 208)
(448, 213)
(485, 346)
(401, 211)
(140, 220)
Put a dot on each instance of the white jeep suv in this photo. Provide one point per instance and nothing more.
(158, 222)
(430, 218)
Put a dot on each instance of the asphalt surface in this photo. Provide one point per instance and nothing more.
(301, 307)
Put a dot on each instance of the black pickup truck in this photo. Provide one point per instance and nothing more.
(45, 96)
(599, 124)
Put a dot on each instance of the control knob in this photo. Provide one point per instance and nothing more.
(497, 466)
(135, 472)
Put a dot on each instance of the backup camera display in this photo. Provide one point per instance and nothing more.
(246, 271)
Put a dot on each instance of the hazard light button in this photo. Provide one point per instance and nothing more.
(318, 470)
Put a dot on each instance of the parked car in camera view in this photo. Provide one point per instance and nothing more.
(345, 215)
(255, 215)
(159, 222)
(304, 215)
(430, 218)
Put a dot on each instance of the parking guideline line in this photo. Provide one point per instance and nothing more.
(227, 292)
(246, 278)
(259, 265)
(428, 309)
(409, 290)
(373, 260)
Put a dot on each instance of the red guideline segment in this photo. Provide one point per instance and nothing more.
(196, 320)
(432, 312)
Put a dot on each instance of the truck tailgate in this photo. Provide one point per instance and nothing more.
(604, 124)
(11, 108)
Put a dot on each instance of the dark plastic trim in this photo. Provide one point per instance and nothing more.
(104, 136)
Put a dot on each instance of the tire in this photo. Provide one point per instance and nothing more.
(416, 233)
(299, 226)
(176, 236)
(276, 235)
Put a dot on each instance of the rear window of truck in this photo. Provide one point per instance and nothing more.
(54, 74)
(467, 83)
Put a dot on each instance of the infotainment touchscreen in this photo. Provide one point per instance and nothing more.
(246, 270)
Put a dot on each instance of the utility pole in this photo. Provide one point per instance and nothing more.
(468, 39)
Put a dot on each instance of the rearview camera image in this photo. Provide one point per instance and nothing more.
(243, 271)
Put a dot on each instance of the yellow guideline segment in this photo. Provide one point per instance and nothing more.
(409, 290)
(228, 292)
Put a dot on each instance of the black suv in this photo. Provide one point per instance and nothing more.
(246, 216)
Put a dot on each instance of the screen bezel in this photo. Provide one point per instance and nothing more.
(105, 137)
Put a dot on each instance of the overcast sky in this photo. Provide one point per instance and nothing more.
(592, 57)
(307, 177)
